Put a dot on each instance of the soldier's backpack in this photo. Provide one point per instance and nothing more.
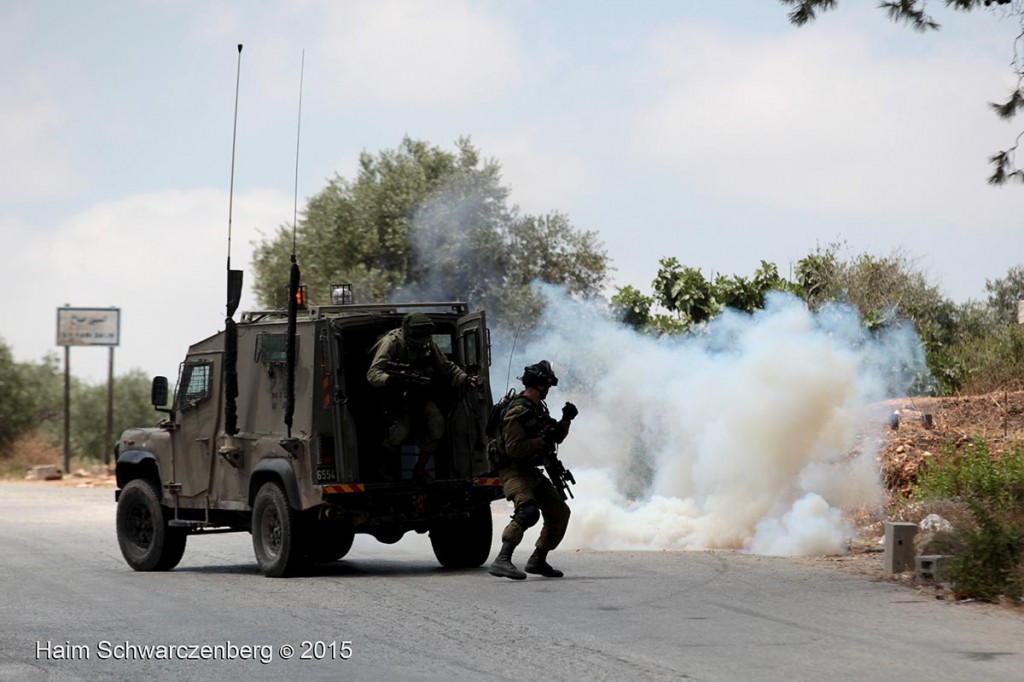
(495, 454)
(498, 413)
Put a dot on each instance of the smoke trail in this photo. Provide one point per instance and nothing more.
(735, 437)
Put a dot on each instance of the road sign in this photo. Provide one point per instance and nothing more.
(88, 326)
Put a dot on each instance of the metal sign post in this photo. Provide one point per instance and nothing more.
(87, 327)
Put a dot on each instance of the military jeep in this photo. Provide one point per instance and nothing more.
(304, 490)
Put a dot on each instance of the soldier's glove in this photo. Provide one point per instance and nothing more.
(569, 412)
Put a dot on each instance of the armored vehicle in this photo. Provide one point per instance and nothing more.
(305, 493)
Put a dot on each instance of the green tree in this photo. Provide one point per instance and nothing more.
(421, 222)
(89, 412)
(1003, 294)
(912, 12)
(630, 306)
(692, 298)
(30, 396)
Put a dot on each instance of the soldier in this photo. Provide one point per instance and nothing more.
(411, 400)
(528, 433)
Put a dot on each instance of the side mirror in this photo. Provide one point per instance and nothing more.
(158, 395)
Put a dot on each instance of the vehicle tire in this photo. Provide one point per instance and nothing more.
(329, 542)
(147, 542)
(276, 533)
(464, 543)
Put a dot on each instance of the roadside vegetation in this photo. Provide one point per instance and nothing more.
(986, 496)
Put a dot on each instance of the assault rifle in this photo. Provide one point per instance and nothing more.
(407, 373)
(559, 475)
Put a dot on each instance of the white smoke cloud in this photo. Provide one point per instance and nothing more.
(737, 437)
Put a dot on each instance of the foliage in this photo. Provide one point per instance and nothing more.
(692, 298)
(1004, 292)
(32, 407)
(89, 413)
(912, 13)
(991, 563)
(30, 394)
(992, 556)
(968, 347)
(421, 222)
(631, 307)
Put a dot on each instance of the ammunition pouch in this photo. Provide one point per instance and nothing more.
(495, 456)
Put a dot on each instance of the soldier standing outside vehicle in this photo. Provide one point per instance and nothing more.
(528, 434)
(407, 363)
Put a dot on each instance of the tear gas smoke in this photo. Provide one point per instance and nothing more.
(741, 436)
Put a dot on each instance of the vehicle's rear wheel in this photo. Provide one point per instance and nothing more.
(329, 541)
(276, 533)
(147, 542)
(464, 543)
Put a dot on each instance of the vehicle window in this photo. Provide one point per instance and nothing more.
(444, 342)
(471, 348)
(272, 348)
(195, 383)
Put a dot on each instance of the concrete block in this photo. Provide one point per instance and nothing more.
(930, 568)
(44, 472)
(899, 547)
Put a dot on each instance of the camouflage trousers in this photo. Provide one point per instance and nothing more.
(425, 418)
(523, 485)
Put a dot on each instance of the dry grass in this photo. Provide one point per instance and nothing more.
(33, 449)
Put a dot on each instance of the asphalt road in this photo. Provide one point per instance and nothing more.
(70, 608)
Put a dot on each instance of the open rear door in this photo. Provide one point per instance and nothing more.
(469, 418)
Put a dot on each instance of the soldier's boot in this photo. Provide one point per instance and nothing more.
(538, 565)
(503, 566)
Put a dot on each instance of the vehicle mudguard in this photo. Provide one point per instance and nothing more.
(275, 469)
(132, 464)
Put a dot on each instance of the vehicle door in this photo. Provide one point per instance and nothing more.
(469, 417)
(199, 409)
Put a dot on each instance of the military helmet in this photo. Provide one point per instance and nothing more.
(539, 374)
(417, 327)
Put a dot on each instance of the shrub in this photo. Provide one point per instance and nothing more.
(992, 488)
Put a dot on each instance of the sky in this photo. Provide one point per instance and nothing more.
(716, 133)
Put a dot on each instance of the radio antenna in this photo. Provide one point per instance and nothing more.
(298, 135)
(508, 377)
(293, 280)
(234, 137)
(234, 295)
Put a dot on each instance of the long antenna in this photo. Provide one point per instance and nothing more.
(230, 449)
(298, 135)
(234, 136)
(508, 377)
(293, 282)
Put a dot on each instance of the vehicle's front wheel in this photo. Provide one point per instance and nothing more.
(464, 543)
(276, 533)
(147, 542)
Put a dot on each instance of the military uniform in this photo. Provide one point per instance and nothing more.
(521, 479)
(527, 433)
(411, 402)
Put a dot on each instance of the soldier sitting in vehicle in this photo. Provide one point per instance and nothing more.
(407, 363)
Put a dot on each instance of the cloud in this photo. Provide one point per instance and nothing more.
(542, 176)
(442, 55)
(36, 164)
(821, 121)
(160, 257)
